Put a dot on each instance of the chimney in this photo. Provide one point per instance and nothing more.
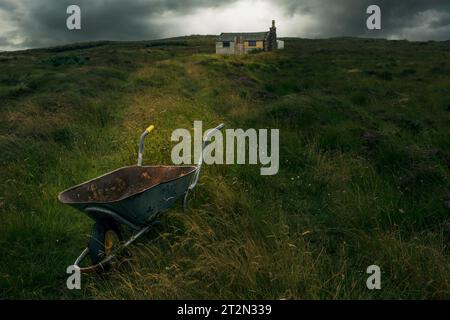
(272, 39)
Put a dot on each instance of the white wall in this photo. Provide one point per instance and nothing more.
(280, 44)
(221, 50)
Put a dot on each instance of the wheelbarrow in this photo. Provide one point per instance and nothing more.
(131, 196)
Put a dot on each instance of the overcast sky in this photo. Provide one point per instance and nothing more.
(42, 23)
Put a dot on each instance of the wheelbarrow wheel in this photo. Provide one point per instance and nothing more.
(105, 237)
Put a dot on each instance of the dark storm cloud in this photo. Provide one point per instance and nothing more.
(43, 22)
(442, 21)
(401, 18)
(39, 23)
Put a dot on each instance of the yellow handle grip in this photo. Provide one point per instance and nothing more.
(150, 128)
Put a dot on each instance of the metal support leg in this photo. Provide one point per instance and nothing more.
(185, 205)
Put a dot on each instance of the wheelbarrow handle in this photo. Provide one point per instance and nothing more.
(141, 143)
(200, 160)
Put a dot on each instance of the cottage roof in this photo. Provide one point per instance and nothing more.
(245, 36)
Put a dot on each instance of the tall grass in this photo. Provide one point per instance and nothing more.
(364, 168)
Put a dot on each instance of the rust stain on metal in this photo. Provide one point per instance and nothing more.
(124, 182)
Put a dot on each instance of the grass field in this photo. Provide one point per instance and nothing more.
(364, 168)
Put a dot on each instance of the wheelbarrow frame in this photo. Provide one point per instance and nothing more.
(96, 209)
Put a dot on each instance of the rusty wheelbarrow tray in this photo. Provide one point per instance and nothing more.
(132, 196)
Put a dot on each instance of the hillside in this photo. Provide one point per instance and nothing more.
(364, 168)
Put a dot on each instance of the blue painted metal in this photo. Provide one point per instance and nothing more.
(134, 195)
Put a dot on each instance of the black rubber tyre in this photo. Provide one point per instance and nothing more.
(100, 242)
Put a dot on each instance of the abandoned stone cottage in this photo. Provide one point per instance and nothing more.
(244, 42)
